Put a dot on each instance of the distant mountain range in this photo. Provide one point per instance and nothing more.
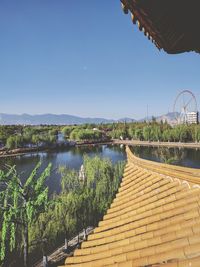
(170, 117)
(48, 119)
(26, 119)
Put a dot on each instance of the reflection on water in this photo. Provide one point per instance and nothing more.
(71, 157)
(187, 157)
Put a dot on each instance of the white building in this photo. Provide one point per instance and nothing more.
(192, 117)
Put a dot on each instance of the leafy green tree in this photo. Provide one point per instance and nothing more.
(69, 180)
(68, 208)
(53, 132)
(101, 184)
(74, 134)
(131, 132)
(147, 133)
(139, 134)
(43, 231)
(21, 205)
(10, 142)
(181, 133)
(52, 139)
(119, 134)
(156, 133)
(65, 212)
(36, 139)
(83, 210)
(83, 203)
(85, 135)
(67, 130)
(167, 135)
(196, 133)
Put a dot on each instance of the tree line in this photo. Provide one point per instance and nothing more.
(84, 133)
(153, 131)
(29, 136)
(143, 131)
(18, 136)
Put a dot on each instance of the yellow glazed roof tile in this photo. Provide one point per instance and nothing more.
(153, 221)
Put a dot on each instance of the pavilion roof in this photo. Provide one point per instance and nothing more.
(172, 25)
(153, 221)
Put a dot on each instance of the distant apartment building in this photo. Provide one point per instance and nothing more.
(192, 117)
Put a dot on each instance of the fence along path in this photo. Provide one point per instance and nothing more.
(153, 221)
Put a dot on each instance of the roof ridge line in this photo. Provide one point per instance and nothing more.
(184, 175)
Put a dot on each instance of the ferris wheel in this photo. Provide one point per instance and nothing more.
(185, 108)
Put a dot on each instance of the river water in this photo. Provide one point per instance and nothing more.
(187, 157)
(70, 157)
(73, 158)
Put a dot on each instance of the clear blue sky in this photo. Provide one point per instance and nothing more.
(85, 58)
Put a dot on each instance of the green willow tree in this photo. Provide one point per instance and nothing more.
(67, 204)
(102, 181)
(21, 205)
(65, 213)
(147, 133)
(82, 203)
(43, 232)
(83, 211)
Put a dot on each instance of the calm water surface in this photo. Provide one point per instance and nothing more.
(188, 157)
(73, 158)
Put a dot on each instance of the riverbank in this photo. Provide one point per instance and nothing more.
(156, 144)
(25, 151)
(19, 151)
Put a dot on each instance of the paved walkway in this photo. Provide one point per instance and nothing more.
(158, 144)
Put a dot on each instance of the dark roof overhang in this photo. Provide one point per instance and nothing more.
(172, 25)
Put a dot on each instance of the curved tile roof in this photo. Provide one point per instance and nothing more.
(153, 221)
(172, 25)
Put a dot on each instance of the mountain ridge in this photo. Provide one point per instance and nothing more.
(62, 119)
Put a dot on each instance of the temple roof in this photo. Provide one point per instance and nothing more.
(153, 221)
(173, 25)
